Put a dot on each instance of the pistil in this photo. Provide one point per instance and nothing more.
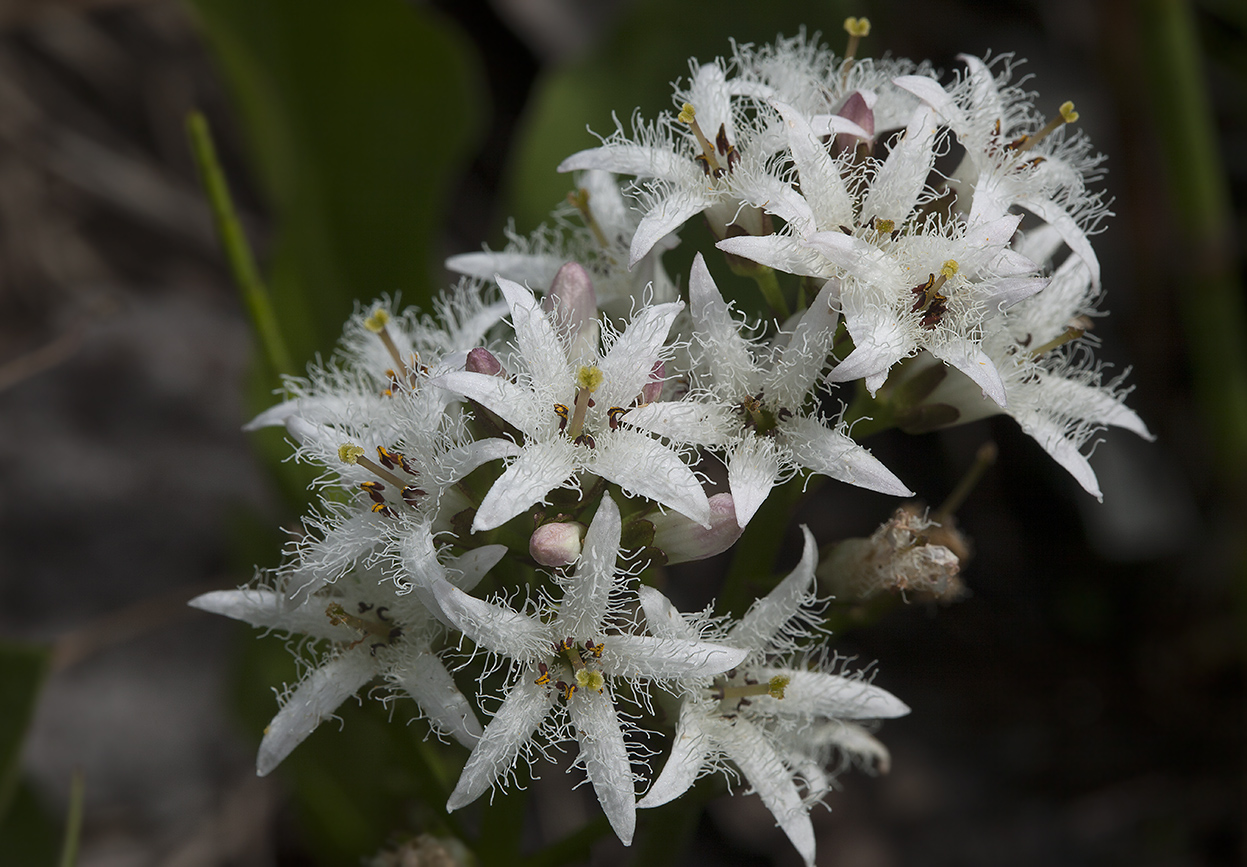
(688, 115)
(1066, 114)
(774, 688)
(376, 324)
(1071, 333)
(580, 201)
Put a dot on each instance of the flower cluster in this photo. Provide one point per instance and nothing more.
(570, 407)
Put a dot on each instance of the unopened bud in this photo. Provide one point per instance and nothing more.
(557, 544)
(683, 539)
(481, 360)
(899, 557)
(572, 299)
(652, 389)
(859, 108)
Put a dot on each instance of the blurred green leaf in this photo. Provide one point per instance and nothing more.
(73, 822)
(22, 669)
(358, 117)
(28, 838)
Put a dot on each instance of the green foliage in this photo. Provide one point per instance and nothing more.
(358, 117)
(22, 669)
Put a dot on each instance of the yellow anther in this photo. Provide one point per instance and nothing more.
(775, 688)
(950, 268)
(1067, 112)
(378, 320)
(687, 113)
(349, 453)
(857, 27)
(590, 678)
(589, 377)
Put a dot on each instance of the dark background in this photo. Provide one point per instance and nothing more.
(1083, 705)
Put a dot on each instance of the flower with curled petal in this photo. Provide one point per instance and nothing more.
(776, 722)
(779, 429)
(566, 656)
(372, 631)
(567, 401)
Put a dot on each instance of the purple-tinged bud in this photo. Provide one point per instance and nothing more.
(557, 544)
(481, 360)
(575, 305)
(652, 389)
(859, 108)
(683, 539)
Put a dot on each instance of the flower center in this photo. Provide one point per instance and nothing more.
(585, 677)
(380, 626)
(759, 417)
(391, 460)
(722, 147)
(928, 299)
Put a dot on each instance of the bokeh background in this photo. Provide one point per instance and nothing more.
(1084, 705)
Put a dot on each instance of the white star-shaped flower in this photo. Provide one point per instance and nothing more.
(568, 400)
(566, 655)
(775, 722)
(772, 386)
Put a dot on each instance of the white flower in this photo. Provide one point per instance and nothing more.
(568, 407)
(566, 656)
(599, 240)
(374, 632)
(1013, 160)
(776, 722)
(907, 281)
(773, 387)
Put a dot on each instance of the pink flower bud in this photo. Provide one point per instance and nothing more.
(481, 360)
(859, 109)
(682, 539)
(653, 386)
(557, 544)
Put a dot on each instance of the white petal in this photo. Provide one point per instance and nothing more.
(753, 468)
(772, 780)
(540, 469)
(824, 188)
(1087, 402)
(854, 741)
(970, 359)
(466, 571)
(1051, 435)
(933, 94)
(269, 610)
(426, 680)
(801, 361)
(834, 454)
(896, 187)
(662, 617)
(663, 219)
(529, 268)
(460, 461)
(859, 258)
(683, 421)
(665, 658)
(497, 394)
(725, 352)
(816, 694)
(779, 251)
(1070, 231)
(627, 365)
(766, 616)
(315, 700)
(544, 354)
(689, 751)
(496, 628)
(644, 162)
(585, 596)
(525, 707)
(644, 467)
(605, 758)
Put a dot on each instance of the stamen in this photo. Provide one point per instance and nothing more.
(856, 28)
(588, 380)
(376, 324)
(688, 115)
(544, 678)
(1065, 114)
(1070, 333)
(580, 201)
(349, 453)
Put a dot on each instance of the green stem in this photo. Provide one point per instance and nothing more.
(768, 284)
(73, 821)
(866, 415)
(234, 243)
(758, 546)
